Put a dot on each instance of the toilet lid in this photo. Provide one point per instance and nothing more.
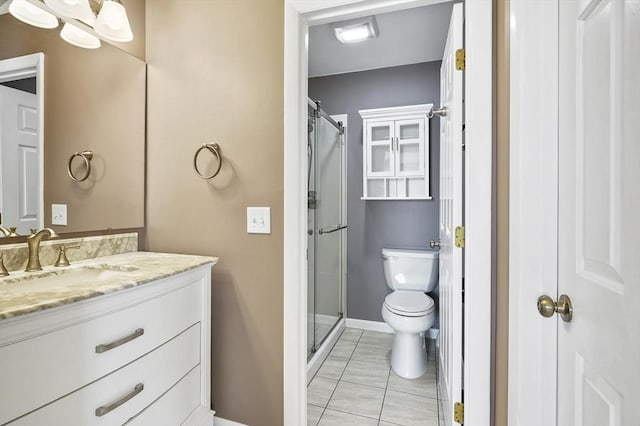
(409, 302)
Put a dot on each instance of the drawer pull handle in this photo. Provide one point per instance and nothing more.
(104, 348)
(101, 411)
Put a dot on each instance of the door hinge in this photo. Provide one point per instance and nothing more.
(460, 59)
(458, 412)
(460, 236)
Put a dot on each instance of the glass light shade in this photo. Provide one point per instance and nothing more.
(79, 37)
(112, 22)
(90, 21)
(78, 9)
(32, 15)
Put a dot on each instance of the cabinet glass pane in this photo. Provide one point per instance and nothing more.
(410, 131)
(409, 160)
(375, 188)
(380, 159)
(416, 188)
(380, 133)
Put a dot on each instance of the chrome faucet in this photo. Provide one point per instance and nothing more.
(34, 248)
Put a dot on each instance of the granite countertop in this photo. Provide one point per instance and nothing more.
(23, 293)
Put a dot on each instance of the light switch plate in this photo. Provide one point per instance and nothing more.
(59, 214)
(258, 220)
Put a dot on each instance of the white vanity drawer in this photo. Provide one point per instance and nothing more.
(52, 365)
(156, 372)
(174, 405)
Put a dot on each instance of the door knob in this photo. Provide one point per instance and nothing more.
(547, 307)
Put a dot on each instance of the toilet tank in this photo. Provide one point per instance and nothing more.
(410, 269)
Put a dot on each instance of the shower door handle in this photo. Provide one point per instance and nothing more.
(330, 230)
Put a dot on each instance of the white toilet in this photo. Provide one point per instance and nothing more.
(408, 310)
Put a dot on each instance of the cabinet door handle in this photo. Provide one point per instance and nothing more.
(105, 409)
(107, 347)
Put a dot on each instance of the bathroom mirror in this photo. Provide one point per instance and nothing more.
(91, 100)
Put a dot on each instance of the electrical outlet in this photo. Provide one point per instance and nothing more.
(258, 220)
(59, 214)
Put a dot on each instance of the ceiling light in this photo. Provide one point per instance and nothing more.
(357, 30)
(112, 22)
(32, 14)
(78, 9)
(79, 37)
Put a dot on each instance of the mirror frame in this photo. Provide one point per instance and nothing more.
(25, 67)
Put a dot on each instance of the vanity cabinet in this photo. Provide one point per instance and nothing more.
(396, 153)
(139, 356)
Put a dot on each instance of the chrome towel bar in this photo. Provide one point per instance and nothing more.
(336, 228)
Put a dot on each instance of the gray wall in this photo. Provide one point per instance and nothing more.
(377, 224)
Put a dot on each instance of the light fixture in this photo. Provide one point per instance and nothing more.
(356, 30)
(77, 9)
(32, 14)
(112, 22)
(79, 37)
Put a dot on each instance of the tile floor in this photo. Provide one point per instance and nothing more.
(356, 386)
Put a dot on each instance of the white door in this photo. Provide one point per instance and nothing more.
(599, 204)
(451, 178)
(19, 158)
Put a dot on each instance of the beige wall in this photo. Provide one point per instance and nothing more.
(94, 99)
(502, 201)
(215, 73)
(136, 14)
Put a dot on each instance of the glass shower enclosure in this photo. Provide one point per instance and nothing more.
(326, 187)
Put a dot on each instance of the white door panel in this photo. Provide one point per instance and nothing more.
(599, 200)
(451, 197)
(19, 158)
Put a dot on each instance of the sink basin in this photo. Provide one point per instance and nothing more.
(65, 279)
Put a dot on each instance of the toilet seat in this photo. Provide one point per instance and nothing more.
(409, 303)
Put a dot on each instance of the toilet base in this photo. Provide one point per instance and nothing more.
(409, 355)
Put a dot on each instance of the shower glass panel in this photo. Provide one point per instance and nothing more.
(326, 232)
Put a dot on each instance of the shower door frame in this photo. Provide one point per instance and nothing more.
(480, 251)
(335, 120)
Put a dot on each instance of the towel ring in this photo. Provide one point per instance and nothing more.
(214, 148)
(86, 156)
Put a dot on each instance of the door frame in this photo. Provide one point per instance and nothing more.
(533, 209)
(479, 112)
(25, 67)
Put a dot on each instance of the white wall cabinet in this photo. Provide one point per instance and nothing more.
(53, 372)
(396, 153)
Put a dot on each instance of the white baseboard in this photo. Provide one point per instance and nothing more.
(201, 416)
(323, 352)
(433, 334)
(382, 327)
(219, 421)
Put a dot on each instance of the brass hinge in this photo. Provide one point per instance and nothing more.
(460, 59)
(460, 236)
(458, 412)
